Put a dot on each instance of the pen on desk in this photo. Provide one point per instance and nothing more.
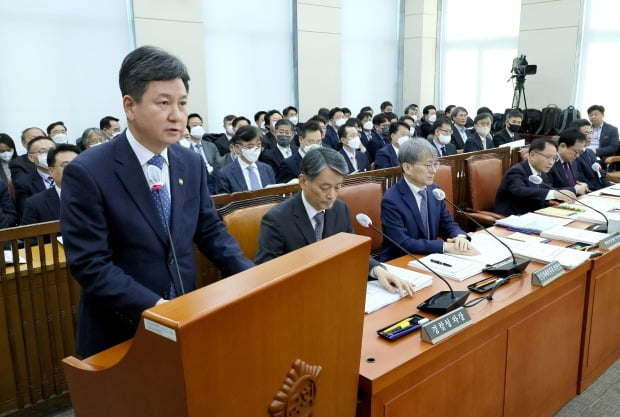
(486, 282)
(398, 325)
(435, 261)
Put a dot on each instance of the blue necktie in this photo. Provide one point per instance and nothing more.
(254, 183)
(424, 212)
(318, 229)
(161, 197)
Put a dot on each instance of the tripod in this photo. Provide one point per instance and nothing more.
(518, 94)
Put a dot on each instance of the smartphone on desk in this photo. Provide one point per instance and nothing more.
(402, 327)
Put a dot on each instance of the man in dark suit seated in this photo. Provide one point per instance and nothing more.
(22, 164)
(39, 180)
(309, 138)
(357, 161)
(336, 119)
(45, 206)
(388, 155)
(517, 194)
(246, 172)
(8, 215)
(460, 133)
(429, 116)
(222, 141)
(411, 215)
(588, 166)
(367, 127)
(380, 135)
(564, 172)
(480, 136)
(120, 200)
(510, 132)
(441, 137)
(604, 136)
(208, 151)
(285, 131)
(269, 138)
(314, 214)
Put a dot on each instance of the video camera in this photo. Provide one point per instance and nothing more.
(520, 67)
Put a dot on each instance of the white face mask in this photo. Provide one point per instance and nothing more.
(412, 131)
(262, 125)
(251, 155)
(6, 156)
(229, 130)
(414, 117)
(311, 147)
(432, 118)
(483, 131)
(402, 140)
(445, 139)
(60, 138)
(113, 134)
(197, 132)
(340, 122)
(42, 157)
(184, 143)
(355, 142)
(293, 120)
(368, 125)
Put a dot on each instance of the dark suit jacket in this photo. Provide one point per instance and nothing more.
(222, 143)
(608, 141)
(21, 165)
(402, 222)
(286, 227)
(274, 157)
(361, 159)
(231, 179)
(425, 128)
(365, 138)
(8, 215)
(42, 207)
(474, 143)
(117, 247)
(376, 142)
(26, 185)
(517, 195)
(457, 139)
(331, 138)
(558, 176)
(289, 168)
(386, 157)
(269, 141)
(450, 148)
(503, 136)
(582, 167)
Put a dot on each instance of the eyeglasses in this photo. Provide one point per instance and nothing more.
(433, 166)
(446, 131)
(251, 147)
(576, 151)
(40, 152)
(548, 157)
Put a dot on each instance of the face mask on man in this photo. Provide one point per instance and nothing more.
(293, 119)
(368, 126)
(42, 157)
(444, 139)
(412, 131)
(60, 138)
(197, 132)
(385, 131)
(341, 122)
(355, 142)
(414, 117)
(283, 140)
(431, 118)
(229, 130)
(483, 131)
(251, 155)
(514, 128)
(311, 147)
(6, 156)
(402, 140)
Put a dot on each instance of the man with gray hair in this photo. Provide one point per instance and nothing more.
(315, 213)
(411, 215)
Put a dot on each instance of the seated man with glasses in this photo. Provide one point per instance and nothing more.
(246, 172)
(441, 137)
(564, 172)
(412, 216)
(480, 136)
(518, 194)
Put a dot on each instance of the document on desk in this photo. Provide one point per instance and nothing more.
(572, 234)
(452, 267)
(613, 190)
(491, 251)
(531, 222)
(378, 297)
(545, 253)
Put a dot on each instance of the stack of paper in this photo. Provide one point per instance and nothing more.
(531, 223)
(378, 297)
(545, 253)
(448, 266)
(613, 190)
(572, 234)
(564, 212)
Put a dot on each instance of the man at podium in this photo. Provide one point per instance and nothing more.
(316, 213)
(133, 207)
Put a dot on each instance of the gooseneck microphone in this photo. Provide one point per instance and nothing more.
(503, 268)
(536, 179)
(596, 167)
(440, 303)
(156, 183)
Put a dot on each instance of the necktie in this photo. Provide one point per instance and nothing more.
(569, 174)
(254, 183)
(197, 147)
(354, 163)
(424, 212)
(161, 198)
(49, 181)
(318, 229)
(443, 151)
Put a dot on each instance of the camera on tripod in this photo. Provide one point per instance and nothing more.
(520, 67)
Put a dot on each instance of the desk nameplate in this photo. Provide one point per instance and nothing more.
(547, 274)
(445, 326)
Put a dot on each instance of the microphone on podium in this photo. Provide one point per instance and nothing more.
(503, 268)
(440, 303)
(536, 179)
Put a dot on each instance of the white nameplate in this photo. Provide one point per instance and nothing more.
(610, 242)
(547, 274)
(160, 329)
(445, 326)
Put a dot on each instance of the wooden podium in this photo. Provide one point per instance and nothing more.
(283, 338)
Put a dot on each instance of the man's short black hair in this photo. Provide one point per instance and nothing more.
(595, 108)
(63, 147)
(379, 118)
(540, 144)
(428, 108)
(288, 109)
(333, 112)
(237, 119)
(571, 136)
(258, 114)
(105, 122)
(439, 122)
(35, 140)
(53, 125)
(385, 104)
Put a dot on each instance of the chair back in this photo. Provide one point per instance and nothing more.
(484, 176)
(443, 178)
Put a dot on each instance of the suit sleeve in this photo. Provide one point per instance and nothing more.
(270, 239)
(612, 146)
(520, 187)
(269, 175)
(447, 226)
(30, 214)
(222, 182)
(471, 145)
(382, 160)
(393, 220)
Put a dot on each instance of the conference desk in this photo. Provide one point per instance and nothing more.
(527, 353)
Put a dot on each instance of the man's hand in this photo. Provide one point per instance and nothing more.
(460, 245)
(161, 301)
(566, 196)
(393, 283)
(581, 188)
